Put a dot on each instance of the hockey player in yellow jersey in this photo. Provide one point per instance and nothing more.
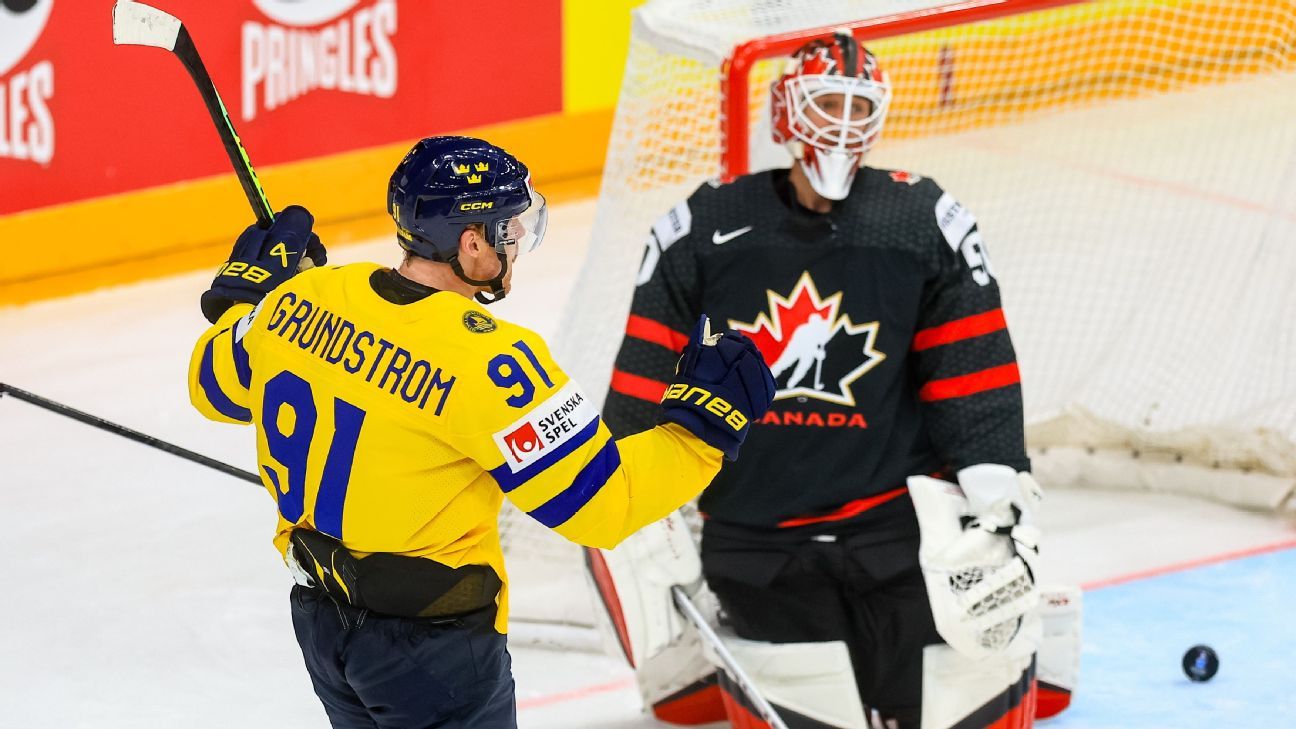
(394, 414)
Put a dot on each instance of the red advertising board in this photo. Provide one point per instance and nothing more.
(80, 117)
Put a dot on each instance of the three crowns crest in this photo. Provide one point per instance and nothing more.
(462, 168)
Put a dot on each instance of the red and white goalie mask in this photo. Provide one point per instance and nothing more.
(828, 108)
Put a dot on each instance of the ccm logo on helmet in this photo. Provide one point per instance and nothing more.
(465, 207)
(711, 403)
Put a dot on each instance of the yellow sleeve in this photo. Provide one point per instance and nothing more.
(542, 440)
(660, 470)
(219, 371)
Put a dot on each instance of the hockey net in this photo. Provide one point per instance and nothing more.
(1132, 166)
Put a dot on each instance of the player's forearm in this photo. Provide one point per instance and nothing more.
(217, 374)
(661, 470)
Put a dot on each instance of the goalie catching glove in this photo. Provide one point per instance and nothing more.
(721, 385)
(979, 554)
(262, 259)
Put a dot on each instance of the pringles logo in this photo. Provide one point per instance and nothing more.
(340, 45)
(26, 125)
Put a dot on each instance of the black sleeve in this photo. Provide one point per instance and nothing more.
(965, 366)
(667, 302)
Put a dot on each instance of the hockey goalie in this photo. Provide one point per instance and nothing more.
(873, 555)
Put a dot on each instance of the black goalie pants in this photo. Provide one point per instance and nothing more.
(864, 588)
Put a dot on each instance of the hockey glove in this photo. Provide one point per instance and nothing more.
(979, 555)
(721, 385)
(262, 259)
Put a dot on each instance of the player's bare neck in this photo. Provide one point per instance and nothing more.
(434, 274)
(805, 194)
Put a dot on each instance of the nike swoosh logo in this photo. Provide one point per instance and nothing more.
(722, 239)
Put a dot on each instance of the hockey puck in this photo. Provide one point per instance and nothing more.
(1200, 663)
(18, 6)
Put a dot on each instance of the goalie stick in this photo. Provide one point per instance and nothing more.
(740, 677)
(123, 431)
(142, 25)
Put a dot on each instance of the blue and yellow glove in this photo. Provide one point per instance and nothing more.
(262, 259)
(721, 385)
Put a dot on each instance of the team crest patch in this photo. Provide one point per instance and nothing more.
(813, 350)
(478, 323)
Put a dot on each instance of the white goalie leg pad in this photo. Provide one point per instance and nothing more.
(815, 680)
(636, 614)
(678, 684)
(1058, 663)
(976, 692)
(978, 550)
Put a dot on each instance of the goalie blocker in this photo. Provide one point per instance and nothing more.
(989, 674)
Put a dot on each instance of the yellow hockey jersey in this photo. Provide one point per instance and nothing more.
(400, 428)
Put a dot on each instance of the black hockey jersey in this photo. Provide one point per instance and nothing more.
(880, 320)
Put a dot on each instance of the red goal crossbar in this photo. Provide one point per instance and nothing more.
(736, 71)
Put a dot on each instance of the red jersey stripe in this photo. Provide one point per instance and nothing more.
(970, 384)
(960, 329)
(655, 332)
(636, 386)
(847, 510)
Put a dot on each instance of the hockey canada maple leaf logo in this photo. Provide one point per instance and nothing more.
(794, 337)
(907, 177)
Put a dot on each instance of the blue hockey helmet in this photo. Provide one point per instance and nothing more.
(446, 183)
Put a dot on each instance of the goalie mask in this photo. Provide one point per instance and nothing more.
(828, 108)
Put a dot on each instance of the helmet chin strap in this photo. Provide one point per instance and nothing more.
(496, 283)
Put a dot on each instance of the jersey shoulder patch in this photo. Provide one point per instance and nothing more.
(552, 427)
(953, 219)
(675, 224)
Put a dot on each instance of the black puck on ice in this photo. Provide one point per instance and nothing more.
(1200, 663)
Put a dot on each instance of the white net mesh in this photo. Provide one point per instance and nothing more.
(1133, 167)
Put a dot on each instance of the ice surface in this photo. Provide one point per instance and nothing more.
(142, 591)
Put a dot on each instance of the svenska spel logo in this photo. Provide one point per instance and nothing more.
(524, 443)
(340, 45)
(26, 125)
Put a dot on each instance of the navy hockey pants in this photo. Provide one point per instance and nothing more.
(381, 672)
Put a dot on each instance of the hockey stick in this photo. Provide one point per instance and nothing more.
(125, 432)
(141, 25)
(739, 676)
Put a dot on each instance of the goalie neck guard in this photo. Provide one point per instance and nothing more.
(817, 111)
(445, 184)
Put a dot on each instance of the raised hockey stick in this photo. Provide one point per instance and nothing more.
(736, 672)
(142, 25)
(125, 432)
